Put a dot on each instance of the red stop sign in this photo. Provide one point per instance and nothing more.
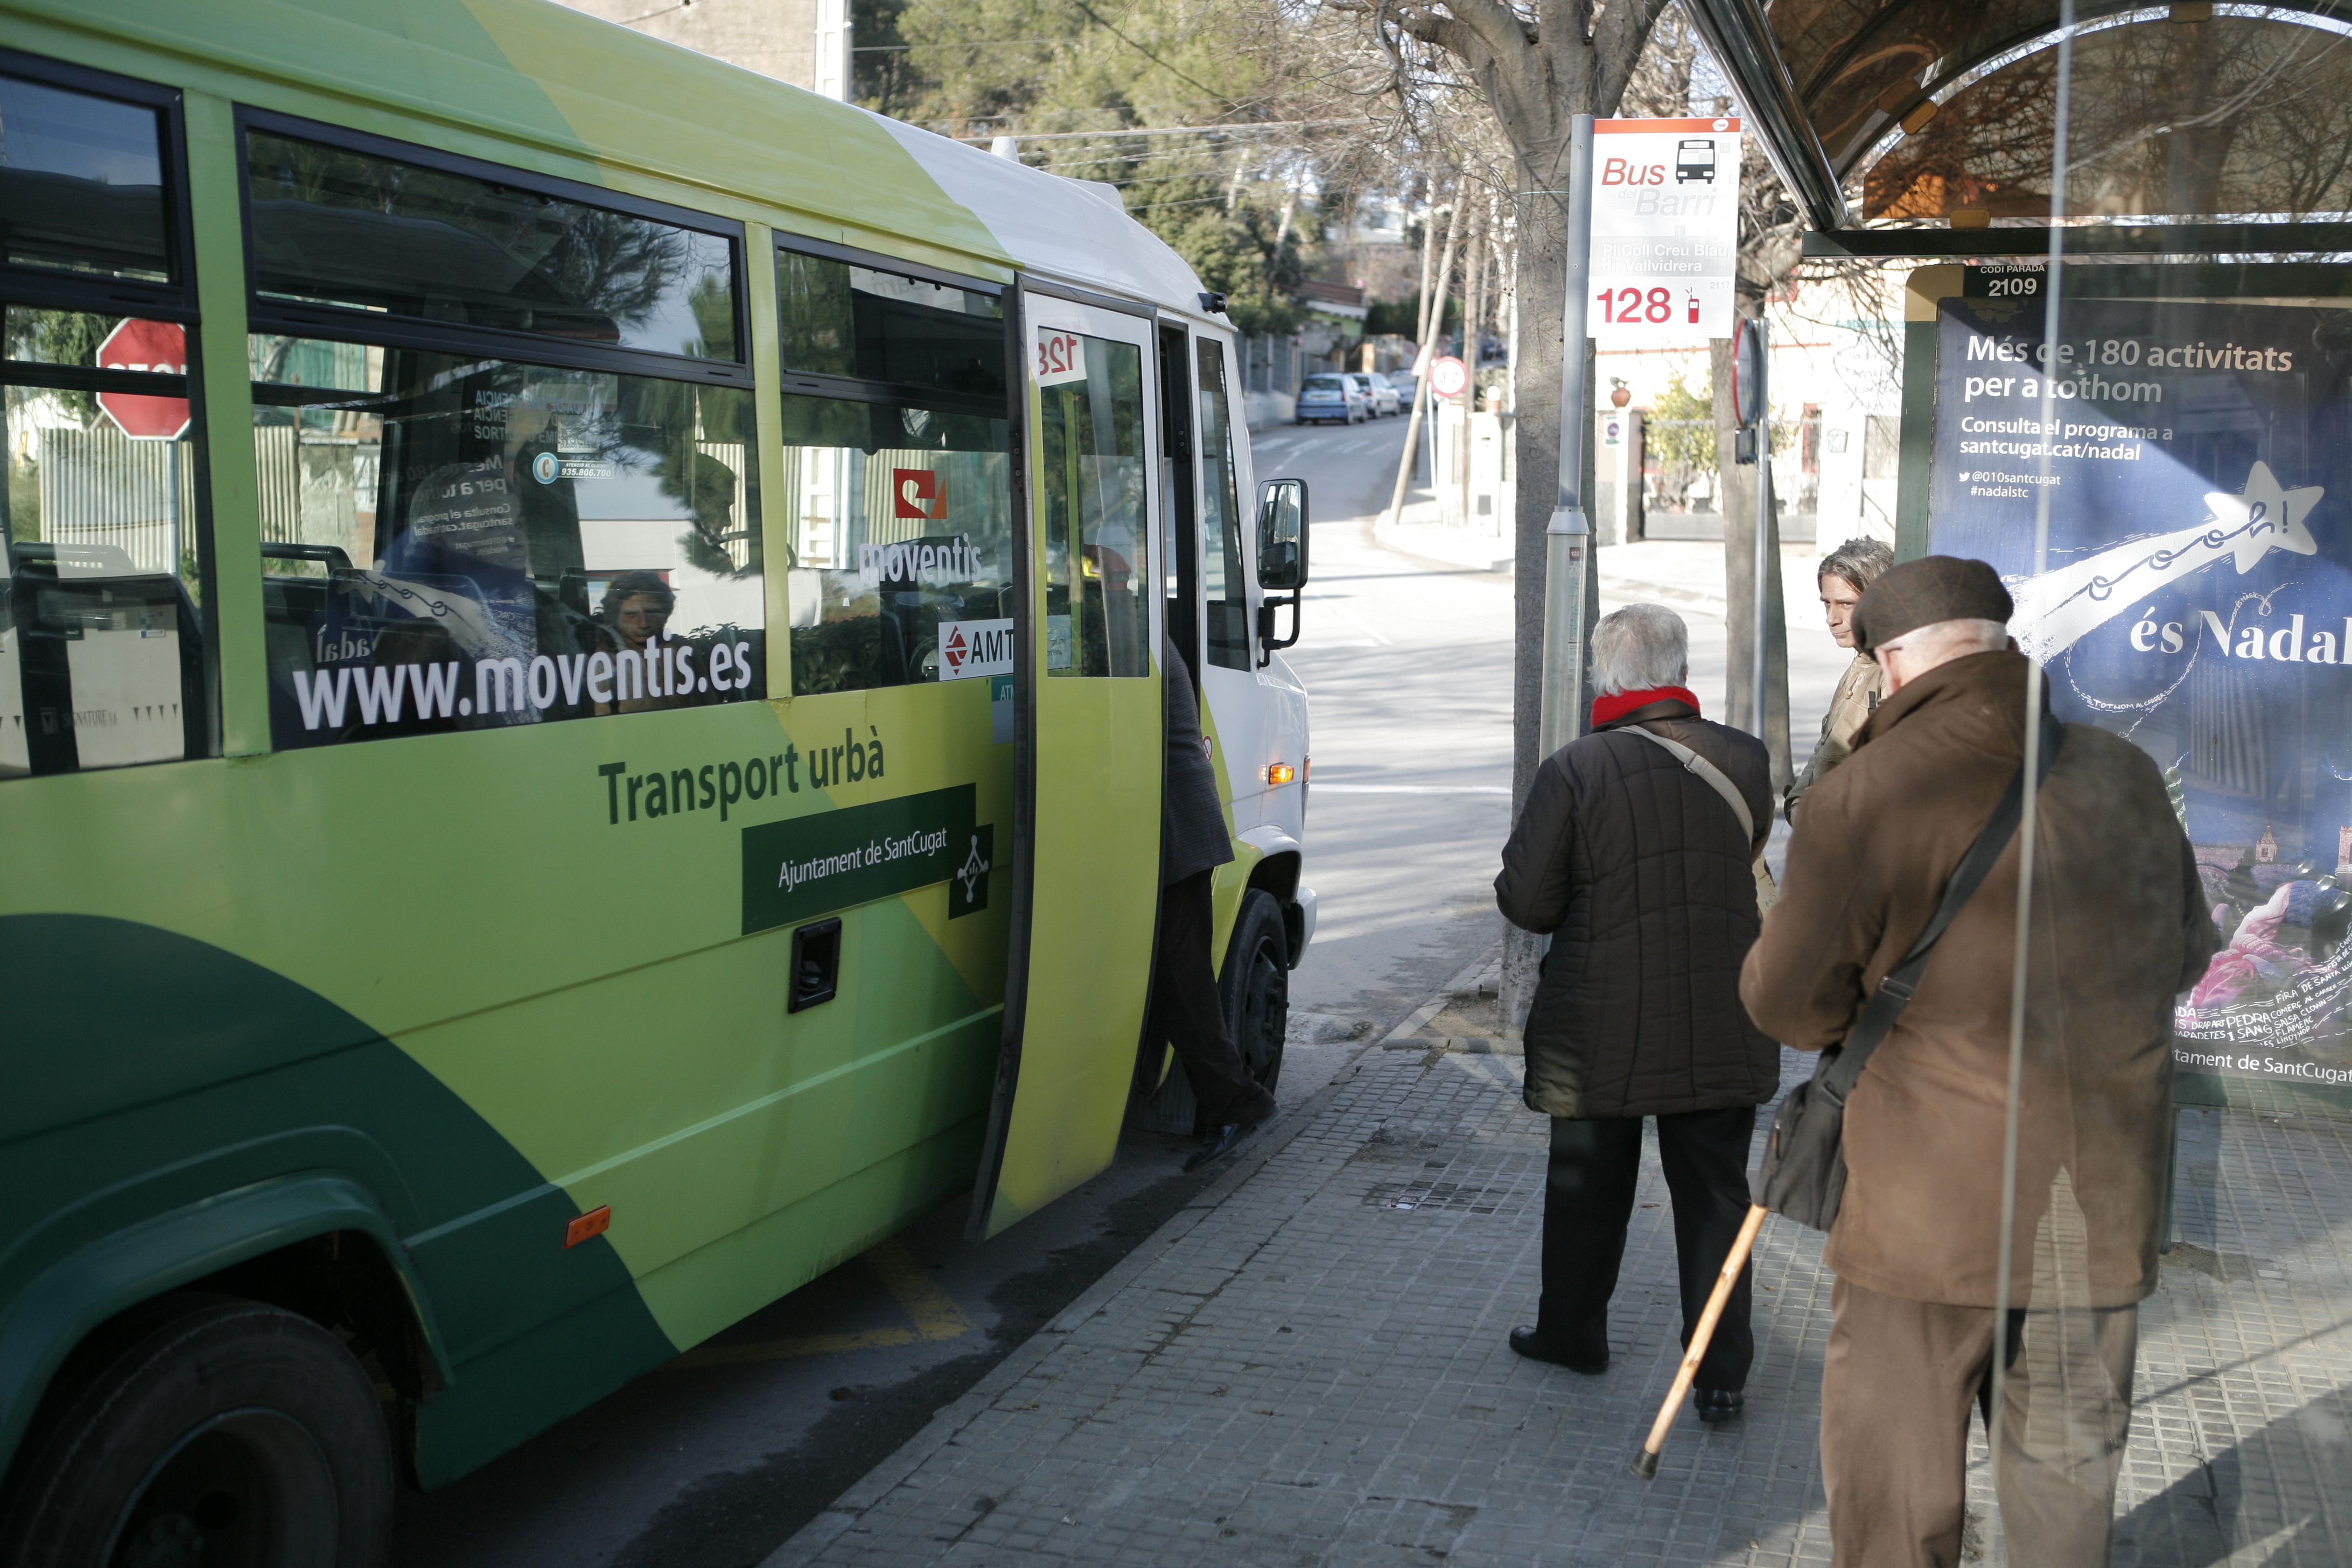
(159, 346)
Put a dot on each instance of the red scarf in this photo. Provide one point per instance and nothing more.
(1605, 709)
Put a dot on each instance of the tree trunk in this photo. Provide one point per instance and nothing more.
(1432, 320)
(1736, 494)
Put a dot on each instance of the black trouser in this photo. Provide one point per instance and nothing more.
(1588, 1199)
(1187, 1011)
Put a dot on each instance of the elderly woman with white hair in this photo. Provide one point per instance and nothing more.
(1633, 853)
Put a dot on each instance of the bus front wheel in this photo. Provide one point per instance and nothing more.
(1256, 986)
(229, 1431)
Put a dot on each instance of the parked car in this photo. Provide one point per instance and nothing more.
(1406, 384)
(1379, 395)
(1329, 397)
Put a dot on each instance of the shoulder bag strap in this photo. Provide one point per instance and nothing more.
(1714, 776)
(1894, 992)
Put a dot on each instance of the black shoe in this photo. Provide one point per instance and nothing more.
(1220, 1142)
(1717, 1405)
(1533, 1345)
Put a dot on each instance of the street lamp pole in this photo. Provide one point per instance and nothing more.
(1567, 540)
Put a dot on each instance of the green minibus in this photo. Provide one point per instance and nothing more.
(580, 729)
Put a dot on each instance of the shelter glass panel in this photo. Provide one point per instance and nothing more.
(2155, 460)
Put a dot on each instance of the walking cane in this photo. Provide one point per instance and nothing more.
(1645, 1463)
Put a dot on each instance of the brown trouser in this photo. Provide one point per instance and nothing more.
(1896, 1386)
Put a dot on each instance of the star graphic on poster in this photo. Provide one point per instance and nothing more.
(2060, 606)
(2265, 518)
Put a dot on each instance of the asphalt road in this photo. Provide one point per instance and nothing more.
(713, 1460)
(1407, 663)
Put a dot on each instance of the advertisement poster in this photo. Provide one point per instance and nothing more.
(2196, 599)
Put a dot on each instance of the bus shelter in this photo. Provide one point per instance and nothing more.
(2127, 385)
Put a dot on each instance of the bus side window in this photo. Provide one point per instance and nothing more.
(1224, 583)
(102, 535)
(900, 487)
(1091, 478)
(460, 534)
(1180, 523)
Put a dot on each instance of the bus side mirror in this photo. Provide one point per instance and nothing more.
(1282, 535)
(1281, 558)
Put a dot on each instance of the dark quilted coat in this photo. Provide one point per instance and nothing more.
(1636, 868)
(1192, 836)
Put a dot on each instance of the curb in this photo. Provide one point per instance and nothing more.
(940, 1431)
(1407, 1033)
(1407, 1036)
(1385, 539)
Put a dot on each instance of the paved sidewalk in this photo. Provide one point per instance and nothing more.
(1308, 1367)
(1417, 532)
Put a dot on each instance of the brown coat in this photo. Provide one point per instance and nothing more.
(2117, 931)
(1637, 869)
(1857, 696)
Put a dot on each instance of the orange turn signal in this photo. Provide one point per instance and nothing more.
(589, 1226)
(1280, 772)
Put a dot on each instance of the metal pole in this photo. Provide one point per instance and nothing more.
(1567, 540)
(171, 506)
(1763, 508)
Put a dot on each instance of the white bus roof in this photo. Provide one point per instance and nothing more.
(1073, 231)
(543, 76)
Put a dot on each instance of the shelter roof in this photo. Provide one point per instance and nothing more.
(1947, 111)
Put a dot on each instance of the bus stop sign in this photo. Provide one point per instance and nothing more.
(1665, 230)
(160, 347)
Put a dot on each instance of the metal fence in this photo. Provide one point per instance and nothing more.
(1270, 364)
(1678, 466)
(99, 487)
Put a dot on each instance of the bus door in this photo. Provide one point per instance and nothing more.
(1088, 732)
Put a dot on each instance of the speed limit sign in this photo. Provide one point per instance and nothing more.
(1449, 377)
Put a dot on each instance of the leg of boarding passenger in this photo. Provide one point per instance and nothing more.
(1187, 1012)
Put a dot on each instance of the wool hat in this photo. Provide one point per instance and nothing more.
(1921, 593)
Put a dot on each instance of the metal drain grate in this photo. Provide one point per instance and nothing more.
(1472, 1197)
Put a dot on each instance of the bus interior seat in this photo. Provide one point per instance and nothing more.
(98, 579)
(572, 591)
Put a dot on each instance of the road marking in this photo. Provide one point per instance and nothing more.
(1409, 789)
(936, 1315)
(1337, 606)
(932, 1310)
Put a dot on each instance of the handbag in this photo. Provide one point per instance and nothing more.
(1802, 1174)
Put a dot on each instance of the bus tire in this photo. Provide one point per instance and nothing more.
(1255, 985)
(229, 1431)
